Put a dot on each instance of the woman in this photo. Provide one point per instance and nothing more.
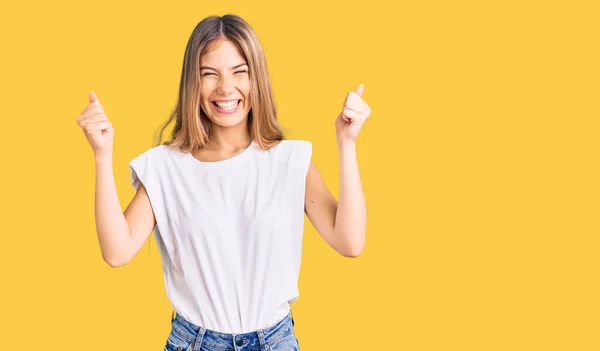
(226, 197)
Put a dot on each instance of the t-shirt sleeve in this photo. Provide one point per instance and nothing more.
(143, 169)
(305, 156)
(302, 155)
(139, 171)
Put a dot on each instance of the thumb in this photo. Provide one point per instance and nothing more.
(360, 90)
(93, 96)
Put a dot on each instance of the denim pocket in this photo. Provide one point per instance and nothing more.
(177, 343)
(288, 343)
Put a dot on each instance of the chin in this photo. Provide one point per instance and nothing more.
(226, 122)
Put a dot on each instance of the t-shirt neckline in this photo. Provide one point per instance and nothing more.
(239, 157)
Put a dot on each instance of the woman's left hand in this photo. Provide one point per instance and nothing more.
(354, 114)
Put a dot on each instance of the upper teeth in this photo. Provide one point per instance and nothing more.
(229, 104)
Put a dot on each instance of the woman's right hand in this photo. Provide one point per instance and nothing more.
(98, 130)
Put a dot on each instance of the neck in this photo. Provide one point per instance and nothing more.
(230, 138)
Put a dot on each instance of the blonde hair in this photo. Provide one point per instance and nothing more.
(192, 126)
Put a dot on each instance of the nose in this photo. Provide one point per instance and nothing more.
(225, 86)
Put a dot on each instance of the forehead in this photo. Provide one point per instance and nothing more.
(221, 53)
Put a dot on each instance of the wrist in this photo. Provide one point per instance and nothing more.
(346, 144)
(104, 158)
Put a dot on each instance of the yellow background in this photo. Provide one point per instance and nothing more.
(479, 164)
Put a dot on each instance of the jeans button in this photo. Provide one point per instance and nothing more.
(239, 342)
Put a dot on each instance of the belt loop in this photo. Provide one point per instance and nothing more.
(173, 314)
(292, 316)
(262, 342)
(199, 339)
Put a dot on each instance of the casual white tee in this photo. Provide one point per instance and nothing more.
(229, 232)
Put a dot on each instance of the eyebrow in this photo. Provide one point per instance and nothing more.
(234, 67)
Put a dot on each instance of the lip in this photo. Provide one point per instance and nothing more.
(226, 112)
(225, 100)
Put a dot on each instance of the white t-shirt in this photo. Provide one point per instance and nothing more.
(229, 232)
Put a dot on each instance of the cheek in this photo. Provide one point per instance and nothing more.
(205, 93)
(205, 90)
(245, 89)
(243, 84)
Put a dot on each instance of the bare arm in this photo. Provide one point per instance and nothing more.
(351, 216)
(120, 234)
(341, 224)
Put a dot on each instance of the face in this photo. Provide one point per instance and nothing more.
(225, 85)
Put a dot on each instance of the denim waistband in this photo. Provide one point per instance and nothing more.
(195, 336)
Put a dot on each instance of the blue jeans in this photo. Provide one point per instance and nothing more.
(186, 336)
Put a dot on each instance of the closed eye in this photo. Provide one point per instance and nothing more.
(210, 73)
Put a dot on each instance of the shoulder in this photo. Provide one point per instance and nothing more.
(149, 160)
(154, 154)
(157, 150)
(148, 165)
(295, 154)
(294, 146)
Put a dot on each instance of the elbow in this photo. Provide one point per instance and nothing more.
(115, 262)
(352, 254)
(353, 251)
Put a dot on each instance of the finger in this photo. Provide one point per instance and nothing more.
(95, 104)
(95, 127)
(104, 126)
(93, 97)
(357, 104)
(94, 101)
(85, 118)
(95, 118)
(351, 96)
(358, 107)
(360, 90)
(91, 117)
(346, 100)
(352, 115)
(354, 100)
(92, 111)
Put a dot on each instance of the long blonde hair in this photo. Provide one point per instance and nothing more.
(192, 126)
